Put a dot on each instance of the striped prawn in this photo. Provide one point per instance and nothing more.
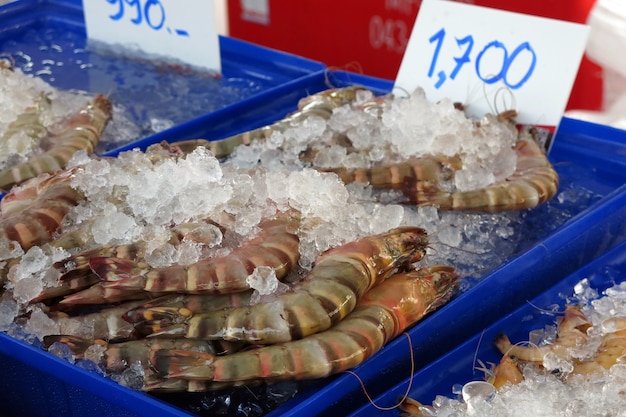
(33, 212)
(162, 312)
(381, 314)
(106, 323)
(77, 274)
(533, 183)
(25, 133)
(81, 132)
(330, 291)
(320, 104)
(424, 180)
(276, 245)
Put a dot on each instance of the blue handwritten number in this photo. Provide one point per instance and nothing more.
(137, 20)
(147, 7)
(154, 19)
(468, 43)
(522, 47)
(438, 37)
(120, 11)
(500, 75)
(506, 64)
(468, 40)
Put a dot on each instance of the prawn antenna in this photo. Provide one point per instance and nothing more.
(440, 243)
(544, 310)
(475, 358)
(408, 388)
(500, 96)
(353, 66)
(404, 91)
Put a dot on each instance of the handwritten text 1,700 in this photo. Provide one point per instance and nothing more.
(466, 44)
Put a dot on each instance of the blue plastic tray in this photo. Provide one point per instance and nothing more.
(457, 366)
(587, 155)
(260, 74)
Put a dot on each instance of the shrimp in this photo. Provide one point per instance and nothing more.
(506, 372)
(381, 314)
(99, 293)
(320, 104)
(323, 298)
(49, 198)
(423, 174)
(166, 149)
(82, 132)
(413, 408)
(118, 357)
(201, 232)
(572, 333)
(24, 133)
(76, 270)
(276, 245)
(612, 349)
(63, 288)
(533, 183)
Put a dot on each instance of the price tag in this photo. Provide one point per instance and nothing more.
(492, 60)
(184, 30)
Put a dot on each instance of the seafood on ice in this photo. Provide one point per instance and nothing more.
(573, 365)
(45, 127)
(440, 171)
(327, 294)
(566, 355)
(381, 314)
(200, 241)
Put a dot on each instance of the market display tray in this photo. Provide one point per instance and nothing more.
(587, 156)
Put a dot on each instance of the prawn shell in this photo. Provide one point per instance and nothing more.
(382, 314)
(325, 296)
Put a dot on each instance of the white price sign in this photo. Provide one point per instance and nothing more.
(181, 29)
(492, 60)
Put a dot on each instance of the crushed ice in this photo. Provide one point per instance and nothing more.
(546, 394)
(264, 283)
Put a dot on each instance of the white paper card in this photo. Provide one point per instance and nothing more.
(492, 60)
(183, 30)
